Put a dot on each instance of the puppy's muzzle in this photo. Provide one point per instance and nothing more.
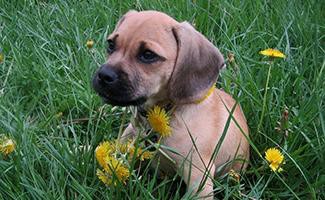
(115, 87)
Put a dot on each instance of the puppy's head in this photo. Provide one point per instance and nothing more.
(153, 58)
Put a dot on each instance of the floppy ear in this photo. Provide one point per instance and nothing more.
(197, 65)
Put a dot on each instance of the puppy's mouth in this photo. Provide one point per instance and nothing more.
(117, 94)
(121, 101)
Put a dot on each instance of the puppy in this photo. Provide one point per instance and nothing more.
(155, 60)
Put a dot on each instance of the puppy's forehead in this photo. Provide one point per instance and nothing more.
(145, 24)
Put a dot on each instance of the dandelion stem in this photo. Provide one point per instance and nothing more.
(120, 132)
(264, 98)
(162, 151)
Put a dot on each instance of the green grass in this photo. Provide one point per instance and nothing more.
(47, 70)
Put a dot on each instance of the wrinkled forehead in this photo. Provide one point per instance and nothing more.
(150, 25)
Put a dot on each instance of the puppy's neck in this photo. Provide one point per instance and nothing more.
(143, 109)
(158, 99)
(151, 103)
(165, 103)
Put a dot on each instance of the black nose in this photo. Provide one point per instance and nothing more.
(107, 75)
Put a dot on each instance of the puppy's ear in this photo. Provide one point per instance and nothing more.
(197, 65)
(123, 18)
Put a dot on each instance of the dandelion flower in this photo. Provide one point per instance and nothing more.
(235, 175)
(114, 157)
(206, 95)
(272, 53)
(130, 149)
(159, 121)
(90, 44)
(7, 146)
(102, 152)
(275, 158)
(1, 57)
(146, 155)
(112, 167)
(116, 171)
(231, 57)
(116, 168)
(103, 177)
(141, 154)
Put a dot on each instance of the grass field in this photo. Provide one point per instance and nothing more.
(48, 107)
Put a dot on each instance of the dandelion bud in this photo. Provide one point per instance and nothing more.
(234, 175)
(1, 57)
(231, 57)
(7, 146)
(90, 44)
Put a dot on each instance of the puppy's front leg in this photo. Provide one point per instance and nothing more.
(194, 176)
(129, 133)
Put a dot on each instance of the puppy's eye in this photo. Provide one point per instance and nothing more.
(110, 46)
(148, 57)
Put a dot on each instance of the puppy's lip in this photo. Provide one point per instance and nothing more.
(135, 102)
(118, 101)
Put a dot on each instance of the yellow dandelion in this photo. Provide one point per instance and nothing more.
(131, 151)
(114, 173)
(272, 53)
(129, 148)
(275, 158)
(114, 158)
(102, 153)
(231, 57)
(123, 147)
(90, 44)
(210, 91)
(146, 155)
(7, 146)
(118, 169)
(159, 121)
(105, 178)
(118, 147)
(235, 175)
(1, 57)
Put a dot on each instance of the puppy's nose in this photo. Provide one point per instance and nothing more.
(107, 75)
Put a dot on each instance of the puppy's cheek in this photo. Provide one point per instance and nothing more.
(152, 92)
(137, 85)
(157, 84)
(139, 91)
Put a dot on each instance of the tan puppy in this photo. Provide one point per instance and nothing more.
(155, 60)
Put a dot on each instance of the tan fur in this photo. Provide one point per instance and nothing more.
(190, 68)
